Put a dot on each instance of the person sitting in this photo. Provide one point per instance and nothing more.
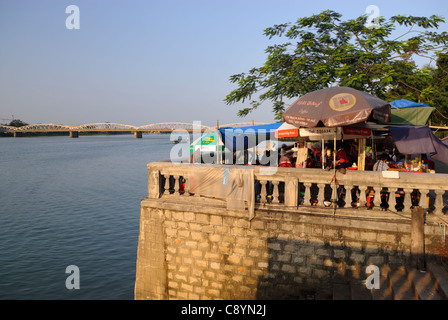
(381, 164)
(427, 161)
(285, 160)
(387, 154)
(341, 158)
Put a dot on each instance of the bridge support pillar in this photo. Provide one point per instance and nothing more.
(138, 134)
(74, 134)
(17, 134)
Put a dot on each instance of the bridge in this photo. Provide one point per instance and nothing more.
(154, 128)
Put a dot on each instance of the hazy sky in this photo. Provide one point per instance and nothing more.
(141, 62)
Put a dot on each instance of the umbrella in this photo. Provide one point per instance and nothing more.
(208, 143)
(336, 106)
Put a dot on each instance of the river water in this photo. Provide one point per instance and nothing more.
(67, 202)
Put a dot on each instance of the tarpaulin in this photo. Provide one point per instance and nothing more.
(405, 112)
(445, 140)
(234, 185)
(419, 140)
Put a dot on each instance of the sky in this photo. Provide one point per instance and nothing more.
(140, 62)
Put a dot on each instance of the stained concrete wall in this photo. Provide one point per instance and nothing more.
(193, 248)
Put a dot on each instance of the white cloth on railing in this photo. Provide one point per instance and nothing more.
(234, 185)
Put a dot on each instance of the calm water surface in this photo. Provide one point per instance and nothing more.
(72, 202)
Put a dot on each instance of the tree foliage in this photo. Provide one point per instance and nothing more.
(322, 51)
(17, 123)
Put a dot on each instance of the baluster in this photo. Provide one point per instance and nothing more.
(346, 198)
(377, 197)
(362, 196)
(263, 191)
(407, 199)
(307, 193)
(423, 199)
(321, 194)
(167, 184)
(176, 185)
(187, 185)
(439, 201)
(275, 192)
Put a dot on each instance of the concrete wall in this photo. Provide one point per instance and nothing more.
(193, 248)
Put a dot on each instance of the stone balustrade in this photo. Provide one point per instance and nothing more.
(316, 188)
(192, 245)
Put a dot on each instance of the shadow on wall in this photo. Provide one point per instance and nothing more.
(302, 271)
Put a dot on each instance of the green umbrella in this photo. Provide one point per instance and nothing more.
(208, 143)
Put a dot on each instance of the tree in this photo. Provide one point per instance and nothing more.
(17, 123)
(322, 51)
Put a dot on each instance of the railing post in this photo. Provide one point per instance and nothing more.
(321, 194)
(439, 201)
(275, 192)
(263, 191)
(167, 184)
(348, 194)
(423, 198)
(362, 195)
(407, 203)
(291, 192)
(153, 184)
(377, 197)
(176, 185)
(307, 195)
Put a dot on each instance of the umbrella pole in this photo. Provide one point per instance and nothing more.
(322, 155)
(334, 169)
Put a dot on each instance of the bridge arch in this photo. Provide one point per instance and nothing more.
(109, 126)
(242, 124)
(44, 127)
(4, 128)
(171, 126)
(104, 126)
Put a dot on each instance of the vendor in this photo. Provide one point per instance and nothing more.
(381, 164)
(341, 157)
(286, 160)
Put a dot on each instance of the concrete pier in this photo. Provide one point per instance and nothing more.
(74, 134)
(137, 134)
